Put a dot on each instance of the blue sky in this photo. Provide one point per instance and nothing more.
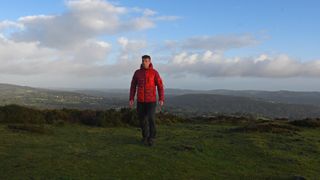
(292, 26)
(279, 31)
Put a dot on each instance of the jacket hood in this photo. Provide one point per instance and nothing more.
(150, 66)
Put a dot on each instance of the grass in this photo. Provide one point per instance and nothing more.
(181, 151)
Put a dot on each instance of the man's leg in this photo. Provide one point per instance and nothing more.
(142, 116)
(151, 113)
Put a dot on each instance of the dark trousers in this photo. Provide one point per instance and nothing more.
(146, 115)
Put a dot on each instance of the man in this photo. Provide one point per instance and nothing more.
(146, 79)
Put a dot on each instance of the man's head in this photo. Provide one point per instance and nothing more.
(146, 60)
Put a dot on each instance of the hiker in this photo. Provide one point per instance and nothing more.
(146, 79)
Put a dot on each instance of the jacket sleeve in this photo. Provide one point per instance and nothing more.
(159, 84)
(133, 87)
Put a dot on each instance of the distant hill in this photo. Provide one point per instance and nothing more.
(283, 96)
(46, 98)
(212, 103)
(290, 104)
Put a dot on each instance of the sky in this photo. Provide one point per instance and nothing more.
(259, 45)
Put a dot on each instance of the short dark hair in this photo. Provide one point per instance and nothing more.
(146, 57)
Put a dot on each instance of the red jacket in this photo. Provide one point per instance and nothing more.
(146, 80)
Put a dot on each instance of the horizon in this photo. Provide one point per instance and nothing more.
(269, 46)
(74, 89)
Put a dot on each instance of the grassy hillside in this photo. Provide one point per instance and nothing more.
(213, 149)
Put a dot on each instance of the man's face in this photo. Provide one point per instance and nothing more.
(146, 62)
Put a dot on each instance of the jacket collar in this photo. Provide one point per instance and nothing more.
(150, 66)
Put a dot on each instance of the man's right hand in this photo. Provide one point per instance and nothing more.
(131, 103)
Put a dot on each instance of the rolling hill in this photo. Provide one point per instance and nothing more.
(288, 104)
(47, 98)
(227, 104)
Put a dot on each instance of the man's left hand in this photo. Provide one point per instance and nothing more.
(161, 103)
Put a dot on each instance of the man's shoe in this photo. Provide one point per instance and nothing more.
(144, 141)
(150, 142)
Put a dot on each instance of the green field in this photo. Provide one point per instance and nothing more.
(181, 151)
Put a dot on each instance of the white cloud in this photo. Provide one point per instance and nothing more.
(215, 64)
(69, 43)
(94, 6)
(84, 19)
(34, 19)
(86, 60)
(10, 24)
(217, 42)
(91, 51)
(167, 18)
(131, 45)
(12, 51)
(149, 12)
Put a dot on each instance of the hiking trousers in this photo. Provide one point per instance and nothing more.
(146, 115)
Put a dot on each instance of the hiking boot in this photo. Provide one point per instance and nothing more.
(150, 142)
(144, 141)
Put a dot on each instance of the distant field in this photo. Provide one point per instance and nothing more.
(182, 151)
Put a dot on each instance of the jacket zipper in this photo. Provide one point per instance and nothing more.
(145, 80)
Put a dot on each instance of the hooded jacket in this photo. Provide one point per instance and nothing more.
(146, 80)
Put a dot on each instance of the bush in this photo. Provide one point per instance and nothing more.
(103, 118)
(307, 122)
(129, 116)
(21, 114)
(53, 116)
(167, 118)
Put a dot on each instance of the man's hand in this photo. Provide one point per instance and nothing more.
(161, 103)
(131, 103)
(159, 108)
